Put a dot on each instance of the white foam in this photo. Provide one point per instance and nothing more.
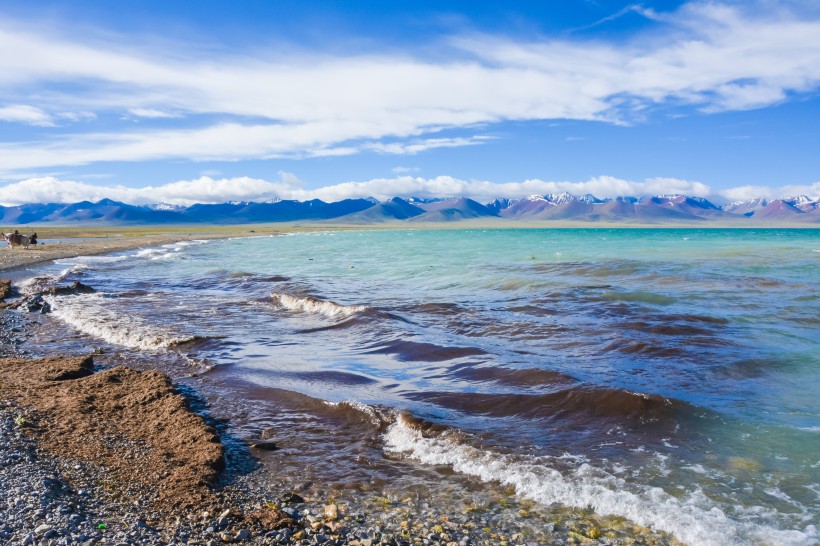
(94, 315)
(167, 252)
(696, 520)
(89, 260)
(315, 306)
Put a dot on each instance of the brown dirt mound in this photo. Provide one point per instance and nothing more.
(131, 424)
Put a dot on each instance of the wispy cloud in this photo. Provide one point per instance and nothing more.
(711, 56)
(151, 113)
(23, 113)
(404, 170)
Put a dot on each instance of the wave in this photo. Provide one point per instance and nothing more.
(424, 352)
(693, 519)
(352, 409)
(94, 315)
(522, 377)
(314, 306)
(576, 403)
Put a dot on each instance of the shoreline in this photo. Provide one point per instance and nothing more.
(83, 243)
(83, 489)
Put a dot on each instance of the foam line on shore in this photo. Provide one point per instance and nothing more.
(89, 314)
(694, 521)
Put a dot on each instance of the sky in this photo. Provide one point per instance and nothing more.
(210, 101)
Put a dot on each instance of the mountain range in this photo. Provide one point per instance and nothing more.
(658, 209)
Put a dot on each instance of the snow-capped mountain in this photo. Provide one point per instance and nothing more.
(166, 207)
(560, 198)
(746, 207)
(802, 202)
(658, 209)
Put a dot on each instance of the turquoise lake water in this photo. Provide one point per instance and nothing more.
(670, 376)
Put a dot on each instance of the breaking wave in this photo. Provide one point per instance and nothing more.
(93, 316)
(314, 306)
(694, 520)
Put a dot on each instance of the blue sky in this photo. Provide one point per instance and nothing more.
(205, 101)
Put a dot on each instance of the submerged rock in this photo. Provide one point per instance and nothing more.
(265, 445)
(74, 288)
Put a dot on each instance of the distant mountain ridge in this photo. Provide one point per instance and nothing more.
(658, 209)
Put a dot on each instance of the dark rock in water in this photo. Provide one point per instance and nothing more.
(5, 289)
(265, 445)
(74, 288)
(36, 303)
(291, 498)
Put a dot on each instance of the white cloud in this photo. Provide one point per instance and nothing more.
(77, 116)
(22, 113)
(293, 104)
(745, 193)
(417, 146)
(184, 192)
(404, 170)
(151, 113)
(209, 190)
(219, 190)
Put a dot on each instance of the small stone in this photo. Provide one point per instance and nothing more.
(292, 498)
(265, 445)
(332, 512)
(243, 534)
(42, 529)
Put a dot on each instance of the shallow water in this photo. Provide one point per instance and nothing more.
(669, 376)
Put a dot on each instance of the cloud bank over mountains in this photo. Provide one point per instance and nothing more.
(199, 105)
(220, 190)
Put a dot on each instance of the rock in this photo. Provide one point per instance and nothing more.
(5, 289)
(42, 529)
(243, 534)
(35, 303)
(272, 518)
(291, 498)
(264, 445)
(267, 434)
(332, 512)
(74, 288)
